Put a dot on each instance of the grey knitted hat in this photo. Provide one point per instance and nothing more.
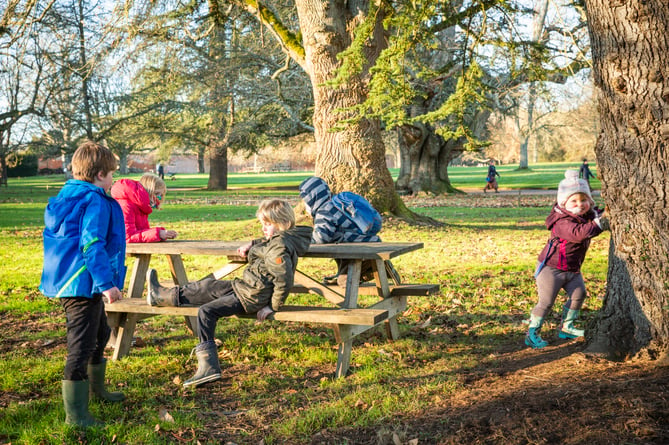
(572, 184)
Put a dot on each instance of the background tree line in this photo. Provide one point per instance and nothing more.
(210, 77)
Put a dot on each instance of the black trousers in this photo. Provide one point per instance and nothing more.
(87, 334)
(217, 299)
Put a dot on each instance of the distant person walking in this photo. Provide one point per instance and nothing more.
(585, 173)
(161, 171)
(491, 179)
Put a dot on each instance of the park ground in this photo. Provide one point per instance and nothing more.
(538, 397)
(557, 395)
(509, 394)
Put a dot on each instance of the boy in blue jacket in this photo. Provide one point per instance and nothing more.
(84, 254)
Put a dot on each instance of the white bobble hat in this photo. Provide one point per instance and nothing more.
(570, 185)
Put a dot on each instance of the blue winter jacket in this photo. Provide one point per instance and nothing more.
(84, 242)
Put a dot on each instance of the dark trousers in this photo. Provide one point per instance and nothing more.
(87, 334)
(217, 299)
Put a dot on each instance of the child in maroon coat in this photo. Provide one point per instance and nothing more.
(573, 221)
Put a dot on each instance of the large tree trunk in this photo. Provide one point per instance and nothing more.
(3, 170)
(630, 44)
(352, 158)
(200, 161)
(220, 128)
(425, 157)
(538, 24)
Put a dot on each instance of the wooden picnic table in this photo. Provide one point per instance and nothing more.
(344, 315)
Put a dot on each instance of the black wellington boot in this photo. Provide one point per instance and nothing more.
(157, 295)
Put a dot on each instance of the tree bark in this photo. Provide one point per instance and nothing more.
(630, 44)
(425, 157)
(200, 161)
(83, 71)
(218, 170)
(352, 158)
(3, 170)
(219, 131)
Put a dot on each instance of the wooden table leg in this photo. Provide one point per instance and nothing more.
(177, 269)
(113, 320)
(343, 331)
(138, 276)
(344, 351)
(381, 278)
(352, 284)
(226, 270)
(126, 330)
(135, 290)
(180, 278)
(392, 328)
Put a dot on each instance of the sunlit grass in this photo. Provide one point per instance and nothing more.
(278, 377)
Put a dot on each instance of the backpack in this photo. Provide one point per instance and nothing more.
(357, 209)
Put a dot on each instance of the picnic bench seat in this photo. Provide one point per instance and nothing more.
(307, 314)
(346, 323)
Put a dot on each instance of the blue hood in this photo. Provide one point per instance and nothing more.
(69, 201)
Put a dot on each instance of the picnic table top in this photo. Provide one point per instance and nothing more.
(364, 251)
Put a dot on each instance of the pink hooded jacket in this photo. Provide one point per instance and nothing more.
(136, 205)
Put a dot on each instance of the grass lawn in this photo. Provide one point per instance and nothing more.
(278, 385)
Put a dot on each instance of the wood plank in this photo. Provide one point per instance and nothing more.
(307, 285)
(138, 275)
(139, 306)
(363, 251)
(189, 247)
(344, 354)
(406, 290)
(306, 314)
(381, 279)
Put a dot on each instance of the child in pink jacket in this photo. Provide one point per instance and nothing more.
(138, 199)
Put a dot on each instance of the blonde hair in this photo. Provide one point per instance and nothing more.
(153, 184)
(91, 158)
(278, 212)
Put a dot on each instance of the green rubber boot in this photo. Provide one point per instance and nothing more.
(532, 338)
(75, 399)
(96, 374)
(567, 328)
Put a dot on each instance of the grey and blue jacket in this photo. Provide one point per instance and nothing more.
(330, 223)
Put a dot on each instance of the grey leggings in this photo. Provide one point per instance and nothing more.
(549, 283)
